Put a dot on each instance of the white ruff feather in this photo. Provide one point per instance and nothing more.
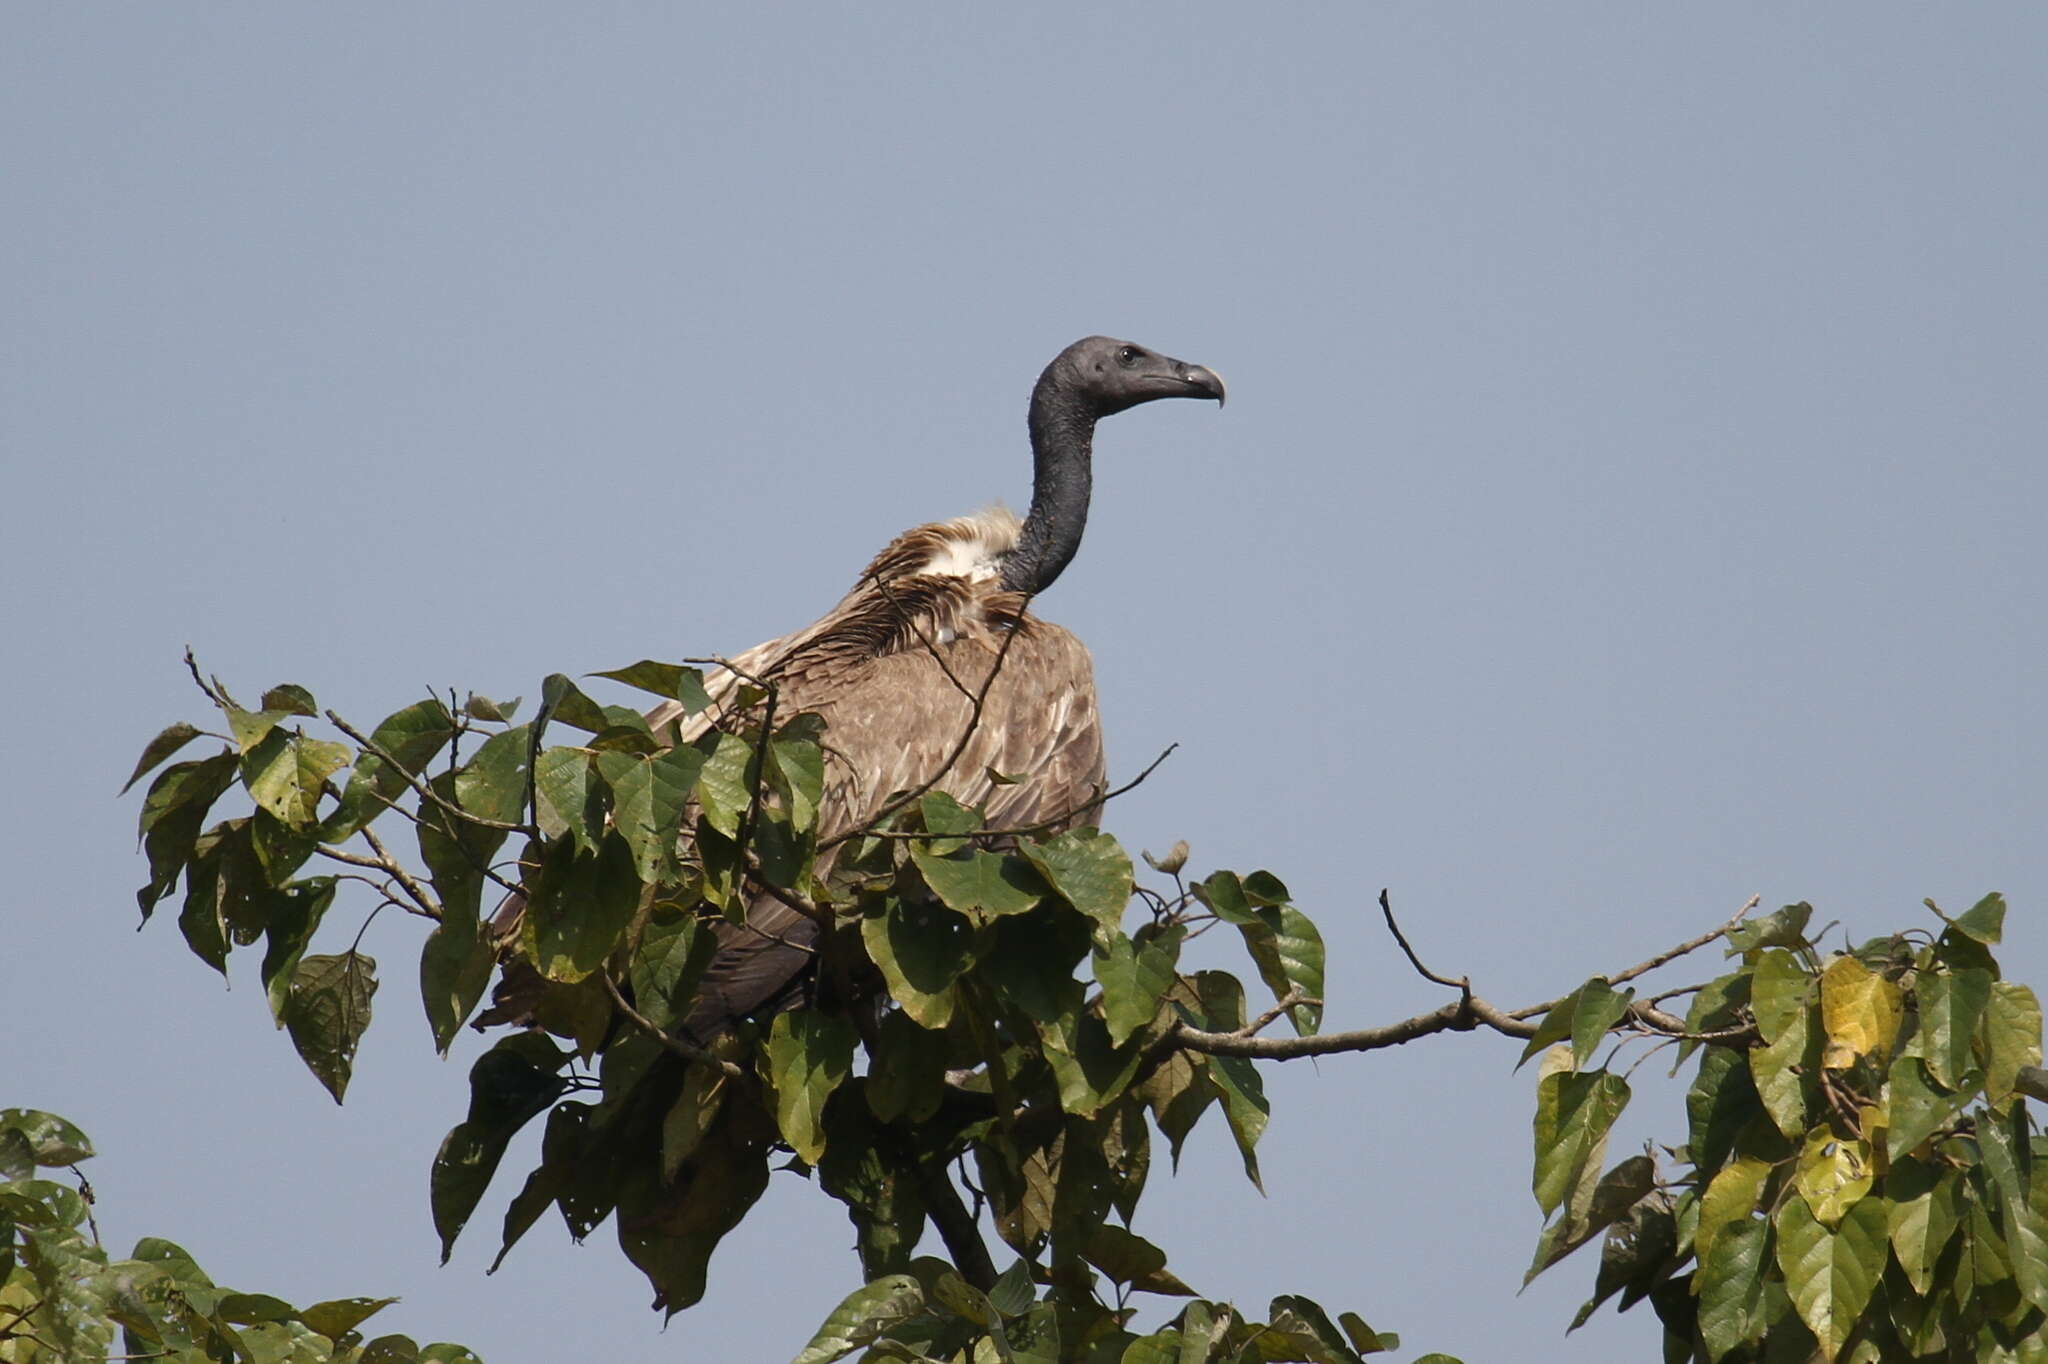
(975, 545)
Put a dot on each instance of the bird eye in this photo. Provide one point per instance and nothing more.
(1127, 355)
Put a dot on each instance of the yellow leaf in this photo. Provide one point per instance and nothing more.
(1833, 1175)
(1730, 1197)
(1860, 1011)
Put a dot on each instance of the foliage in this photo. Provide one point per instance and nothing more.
(1007, 1012)
(63, 1298)
(1858, 1181)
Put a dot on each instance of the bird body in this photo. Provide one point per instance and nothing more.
(932, 672)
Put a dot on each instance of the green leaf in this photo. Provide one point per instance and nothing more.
(691, 1116)
(172, 814)
(280, 849)
(797, 766)
(561, 700)
(1786, 1073)
(1573, 1114)
(2011, 1038)
(481, 707)
(1298, 1316)
(286, 773)
(809, 1055)
(169, 741)
(579, 907)
(1985, 920)
(1265, 890)
(661, 679)
(1086, 868)
(1598, 1009)
(1133, 1260)
(1595, 1207)
(493, 783)
(508, 1085)
(690, 691)
(1720, 1105)
(1133, 978)
(1224, 894)
(670, 1232)
(1177, 1092)
(648, 796)
(455, 966)
(1235, 1078)
(906, 1074)
(1731, 1287)
(1952, 1005)
(201, 920)
(561, 1147)
(568, 796)
(985, 882)
(1090, 1071)
(1831, 1275)
(669, 962)
(1780, 989)
(252, 727)
(1916, 1108)
(864, 1316)
(879, 1188)
(457, 851)
(921, 949)
(412, 737)
(1785, 928)
(1555, 1026)
(1012, 1293)
(326, 1014)
(338, 1316)
(1925, 1210)
(1288, 950)
(47, 1139)
(291, 699)
(292, 925)
(725, 784)
(1716, 1006)
(1639, 1252)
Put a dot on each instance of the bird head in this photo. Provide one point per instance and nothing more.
(1110, 375)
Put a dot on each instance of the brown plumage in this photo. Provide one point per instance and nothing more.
(894, 669)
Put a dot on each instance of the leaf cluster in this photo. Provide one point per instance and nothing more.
(62, 1297)
(977, 1014)
(1858, 1180)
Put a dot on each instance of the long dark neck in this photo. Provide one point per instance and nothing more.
(1062, 441)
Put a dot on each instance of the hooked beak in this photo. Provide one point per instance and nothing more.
(1205, 382)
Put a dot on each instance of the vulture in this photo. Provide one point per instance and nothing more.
(893, 668)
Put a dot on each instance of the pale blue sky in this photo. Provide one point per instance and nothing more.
(1629, 500)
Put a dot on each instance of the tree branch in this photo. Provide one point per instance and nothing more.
(956, 1225)
(650, 1028)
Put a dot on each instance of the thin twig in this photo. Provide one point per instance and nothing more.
(192, 666)
(1023, 830)
(810, 909)
(1642, 967)
(399, 874)
(1463, 983)
(646, 1025)
(1292, 999)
